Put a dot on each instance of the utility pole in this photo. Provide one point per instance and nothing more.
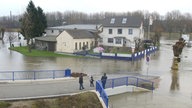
(150, 23)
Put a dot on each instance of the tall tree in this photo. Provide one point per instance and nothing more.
(33, 23)
(42, 22)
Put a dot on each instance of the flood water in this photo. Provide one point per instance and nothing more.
(174, 90)
(175, 87)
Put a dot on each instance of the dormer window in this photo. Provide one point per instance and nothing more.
(124, 20)
(112, 21)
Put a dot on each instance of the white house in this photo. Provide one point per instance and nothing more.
(71, 41)
(121, 31)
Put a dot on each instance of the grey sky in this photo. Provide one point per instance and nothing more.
(92, 6)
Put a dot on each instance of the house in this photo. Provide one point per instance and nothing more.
(55, 31)
(71, 41)
(68, 41)
(69, 38)
(121, 31)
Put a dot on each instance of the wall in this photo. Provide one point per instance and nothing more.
(66, 43)
(123, 89)
(52, 32)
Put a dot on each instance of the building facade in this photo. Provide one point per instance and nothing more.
(71, 41)
(121, 31)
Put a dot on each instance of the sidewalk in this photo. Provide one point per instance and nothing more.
(29, 89)
(14, 90)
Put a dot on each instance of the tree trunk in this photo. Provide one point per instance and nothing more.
(28, 45)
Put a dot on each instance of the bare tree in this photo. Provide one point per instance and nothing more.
(11, 37)
(2, 32)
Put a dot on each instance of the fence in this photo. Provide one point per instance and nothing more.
(33, 75)
(102, 93)
(129, 57)
(118, 56)
(115, 82)
(130, 80)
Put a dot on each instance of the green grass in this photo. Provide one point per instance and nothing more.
(37, 53)
(4, 104)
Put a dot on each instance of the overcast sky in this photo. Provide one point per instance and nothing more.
(91, 6)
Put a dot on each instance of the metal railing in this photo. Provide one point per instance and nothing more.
(115, 82)
(102, 93)
(130, 80)
(34, 75)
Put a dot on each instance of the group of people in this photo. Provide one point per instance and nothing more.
(103, 81)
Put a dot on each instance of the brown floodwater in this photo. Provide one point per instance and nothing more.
(174, 90)
(175, 86)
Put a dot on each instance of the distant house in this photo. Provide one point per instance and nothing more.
(71, 41)
(121, 31)
(69, 38)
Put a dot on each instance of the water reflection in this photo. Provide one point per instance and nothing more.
(175, 76)
(175, 86)
(14, 61)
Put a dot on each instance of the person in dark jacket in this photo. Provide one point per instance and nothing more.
(81, 82)
(91, 82)
(103, 80)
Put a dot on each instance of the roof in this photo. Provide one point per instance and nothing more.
(81, 34)
(128, 21)
(89, 27)
(47, 38)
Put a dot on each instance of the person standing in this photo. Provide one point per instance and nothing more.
(103, 80)
(91, 82)
(81, 82)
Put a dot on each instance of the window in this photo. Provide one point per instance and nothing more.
(110, 40)
(119, 31)
(118, 41)
(130, 31)
(124, 20)
(112, 21)
(91, 45)
(87, 45)
(75, 45)
(110, 31)
(80, 45)
(83, 43)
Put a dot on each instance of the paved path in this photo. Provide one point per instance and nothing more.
(13, 90)
(41, 88)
